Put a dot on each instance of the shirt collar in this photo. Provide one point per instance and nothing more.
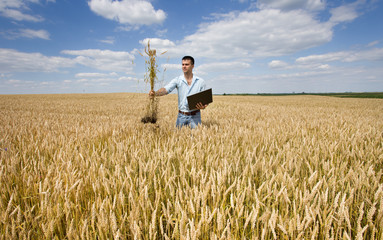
(195, 78)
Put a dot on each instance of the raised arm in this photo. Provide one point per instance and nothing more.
(159, 92)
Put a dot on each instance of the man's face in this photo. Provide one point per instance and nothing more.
(187, 67)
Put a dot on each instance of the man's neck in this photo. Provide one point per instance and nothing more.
(188, 77)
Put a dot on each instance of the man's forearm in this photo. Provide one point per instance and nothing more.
(161, 92)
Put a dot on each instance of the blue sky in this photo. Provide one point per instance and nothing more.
(240, 46)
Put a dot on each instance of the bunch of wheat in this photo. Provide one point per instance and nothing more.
(151, 77)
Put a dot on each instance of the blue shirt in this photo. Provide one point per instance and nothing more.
(184, 90)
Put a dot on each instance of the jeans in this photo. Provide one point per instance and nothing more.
(192, 121)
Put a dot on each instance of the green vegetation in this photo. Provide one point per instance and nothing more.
(341, 95)
(354, 95)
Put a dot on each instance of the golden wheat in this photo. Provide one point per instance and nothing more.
(292, 167)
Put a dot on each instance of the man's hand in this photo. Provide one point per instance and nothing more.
(201, 106)
(152, 93)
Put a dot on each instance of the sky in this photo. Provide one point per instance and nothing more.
(239, 46)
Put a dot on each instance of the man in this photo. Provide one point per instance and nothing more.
(186, 85)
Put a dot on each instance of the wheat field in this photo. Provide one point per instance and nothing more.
(83, 166)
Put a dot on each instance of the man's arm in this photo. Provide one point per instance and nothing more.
(160, 92)
(200, 106)
(165, 90)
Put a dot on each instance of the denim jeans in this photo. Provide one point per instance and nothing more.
(192, 121)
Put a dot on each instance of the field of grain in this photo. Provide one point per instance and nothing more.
(289, 167)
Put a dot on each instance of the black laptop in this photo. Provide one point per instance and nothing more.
(204, 97)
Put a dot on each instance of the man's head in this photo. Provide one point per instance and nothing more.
(189, 58)
(187, 64)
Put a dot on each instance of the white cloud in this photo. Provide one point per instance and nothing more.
(20, 16)
(222, 67)
(126, 79)
(30, 33)
(16, 10)
(373, 43)
(30, 85)
(324, 66)
(277, 64)
(102, 78)
(314, 66)
(169, 66)
(257, 34)
(108, 40)
(291, 4)
(126, 28)
(14, 81)
(343, 13)
(375, 54)
(161, 33)
(15, 61)
(322, 62)
(158, 43)
(269, 32)
(83, 80)
(329, 57)
(26, 33)
(103, 60)
(106, 60)
(161, 46)
(211, 67)
(91, 75)
(133, 12)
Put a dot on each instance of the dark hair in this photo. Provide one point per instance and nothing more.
(189, 58)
